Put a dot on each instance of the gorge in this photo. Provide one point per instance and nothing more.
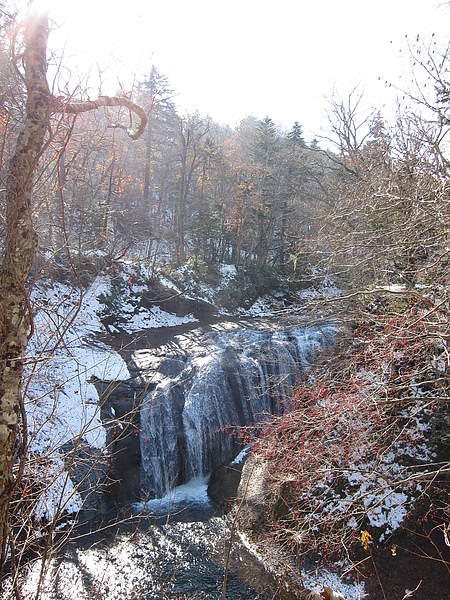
(179, 415)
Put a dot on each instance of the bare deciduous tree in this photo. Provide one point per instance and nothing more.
(16, 319)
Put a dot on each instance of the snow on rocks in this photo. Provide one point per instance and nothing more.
(64, 357)
(61, 401)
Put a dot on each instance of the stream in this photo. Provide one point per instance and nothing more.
(173, 548)
(186, 388)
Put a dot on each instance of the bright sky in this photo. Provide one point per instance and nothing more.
(240, 57)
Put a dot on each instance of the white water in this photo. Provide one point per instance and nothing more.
(226, 379)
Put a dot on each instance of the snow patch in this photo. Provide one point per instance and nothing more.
(61, 401)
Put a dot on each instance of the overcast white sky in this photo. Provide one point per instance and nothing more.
(240, 57)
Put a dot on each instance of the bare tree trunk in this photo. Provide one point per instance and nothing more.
(20, 249)
(148, 163)
(16, 319)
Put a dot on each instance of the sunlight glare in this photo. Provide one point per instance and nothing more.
(44, 6)
(235, 59)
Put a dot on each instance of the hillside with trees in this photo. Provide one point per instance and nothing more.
(126, 188)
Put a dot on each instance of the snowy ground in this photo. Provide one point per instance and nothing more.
(64, 355)
(312, 578)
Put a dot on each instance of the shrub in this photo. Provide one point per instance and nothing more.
(360, 442)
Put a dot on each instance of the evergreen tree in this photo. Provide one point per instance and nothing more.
(296, 135)
(266, 142)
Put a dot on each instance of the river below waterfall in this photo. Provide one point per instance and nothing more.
(175, 553)
(184, 393)
(172, 548)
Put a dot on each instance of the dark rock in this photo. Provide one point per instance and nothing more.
(224, 483)
(120, 403)
(175, 303)
(171, 367)
(88, 473)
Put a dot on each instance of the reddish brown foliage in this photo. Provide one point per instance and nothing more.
(358, 445)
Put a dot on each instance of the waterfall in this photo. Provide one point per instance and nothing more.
(223, 379)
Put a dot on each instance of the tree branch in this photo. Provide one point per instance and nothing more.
(75, 108)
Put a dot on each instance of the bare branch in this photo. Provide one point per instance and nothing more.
(75, 108)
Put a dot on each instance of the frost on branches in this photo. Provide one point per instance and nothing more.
(362, 442)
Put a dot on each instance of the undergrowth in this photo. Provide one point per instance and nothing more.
(363, 443)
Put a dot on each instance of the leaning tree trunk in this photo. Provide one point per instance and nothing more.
(19, 252)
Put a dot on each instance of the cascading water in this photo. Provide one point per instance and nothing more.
(180, 397)
(223, 379)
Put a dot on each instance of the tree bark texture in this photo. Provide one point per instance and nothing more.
(20, 249)
(16, 319)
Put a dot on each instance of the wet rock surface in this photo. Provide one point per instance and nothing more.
(224, 483)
